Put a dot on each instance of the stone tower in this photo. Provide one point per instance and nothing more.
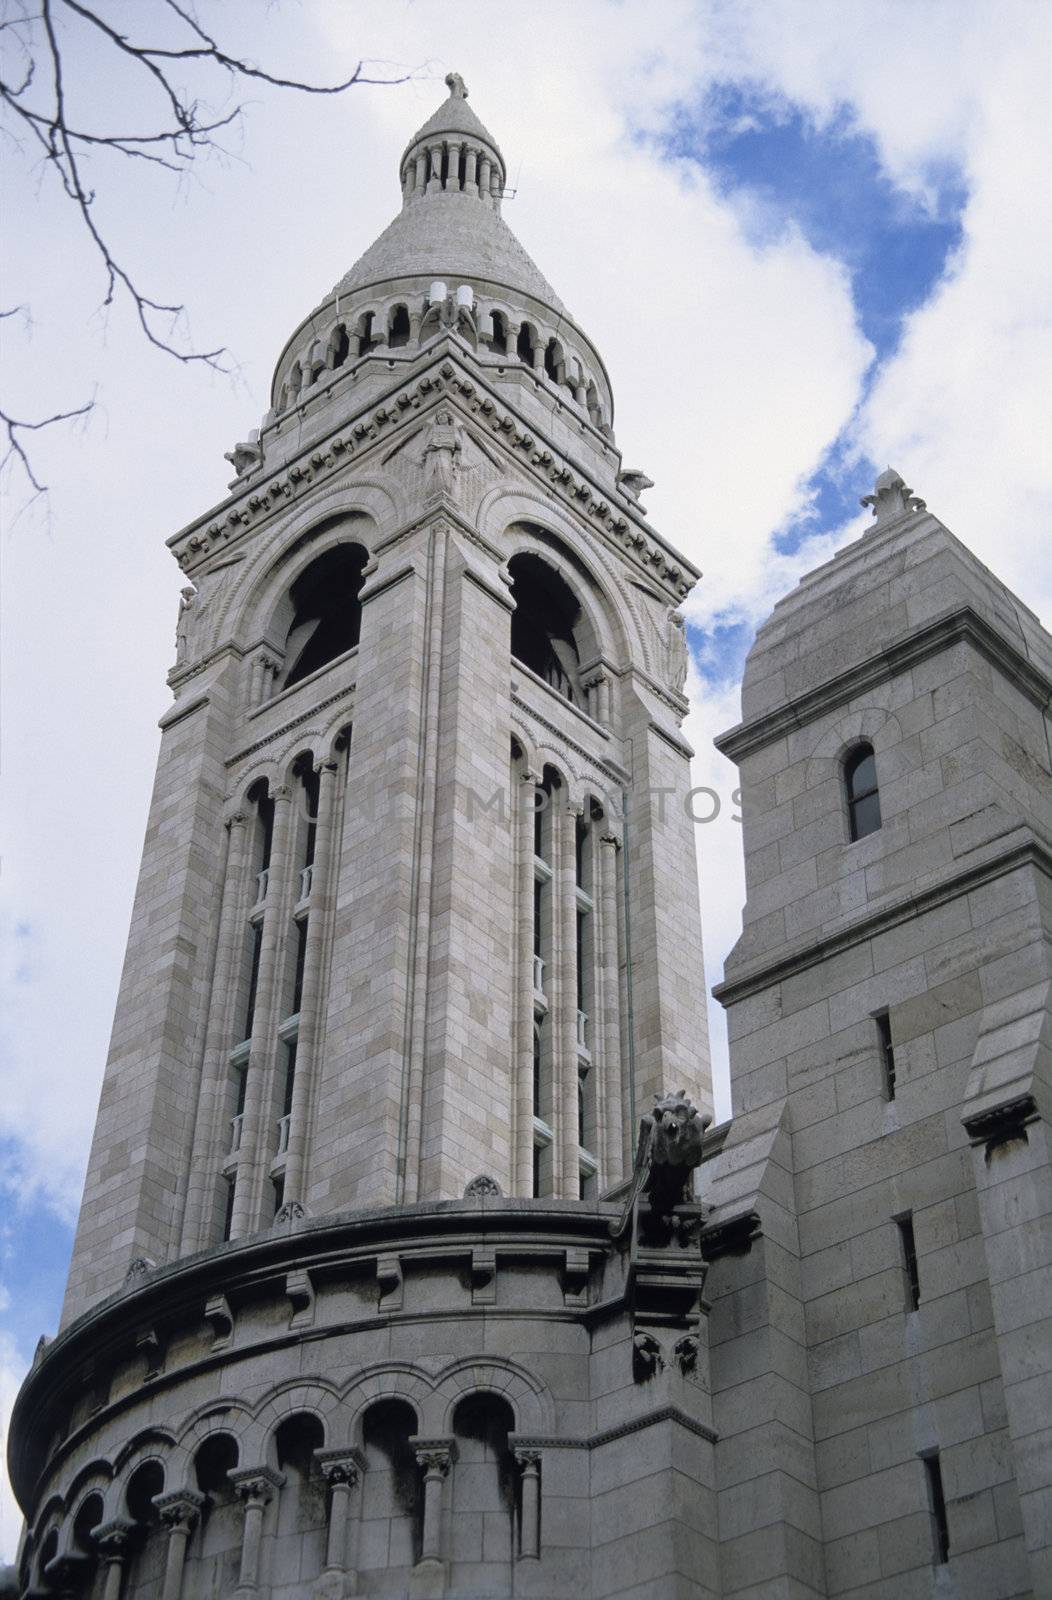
(360, 1295)
(880, 1334)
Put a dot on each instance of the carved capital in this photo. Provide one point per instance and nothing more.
(528, 1459)
(435, 1456)
(180, 1508)
(256, 1485)
(112, 1537)
(341, 1465)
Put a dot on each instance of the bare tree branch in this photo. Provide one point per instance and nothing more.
(38, 103)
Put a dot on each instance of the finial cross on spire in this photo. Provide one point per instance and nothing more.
(458, 89)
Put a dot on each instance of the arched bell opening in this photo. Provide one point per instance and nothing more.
(544, 624)
(326, 612)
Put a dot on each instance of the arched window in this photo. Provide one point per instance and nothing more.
(398, 331)
(860, 786)
(215, 1549)
(524, 345)
(543, 623)
(327, 615)
(367, 340)
(484, 1488)
(301, 1504)
(498, 340)
(392, 1502)
(341, 347)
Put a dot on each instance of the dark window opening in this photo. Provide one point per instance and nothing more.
(301, 962)
(399, 330)
(264, 825)
(279, 1193)
(367, 339)
(909, 1260)
(538, 892)
(327, 614)
(290, 1078)
(554, 364)
(228, 1214)
(580, 835)
(341, 347)
(937, 1503)
(253, 979)
(217, 1456)
(580, 960)
(86, 1521)
(241, 1075)
(498, 341)
(581, 1116)
(536, 1172)
(524, 346)
(396, 1488)
(863, 799)
(536, 1072)
(887, 1053)
(146, 1481)
(311, 781)
(543, 623)
(540, 799)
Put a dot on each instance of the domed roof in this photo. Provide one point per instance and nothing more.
(448, 231)
(449, 235)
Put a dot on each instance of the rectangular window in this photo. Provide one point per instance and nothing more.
(909, 1260)
(937, 1505)
(580, 836)
(538, 889)
(290, 1077)
(301, 961)
(536, 1172)
(887, 1053)
(279, 1194)
(253, 979)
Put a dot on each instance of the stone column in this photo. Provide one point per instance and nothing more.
(208, 1129)
(524, 792)
(436, 168)
(453, 178)
(529, 1464)
(484, 172)
(112, 1539)
(421, 173)
(562, 998)
(435, 1456)
(313, 984)
(178, 1512)
(255, 1486)
(253, 1142)
(343, 1470)
(609, 1007)
(471, 185)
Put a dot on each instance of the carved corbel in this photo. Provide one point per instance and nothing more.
(220, 1318)
(389, 1282)
(300, 1291)
(483, 1277)
(575, 1277)
(148, 1342)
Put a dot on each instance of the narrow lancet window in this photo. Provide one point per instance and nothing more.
(863, 798)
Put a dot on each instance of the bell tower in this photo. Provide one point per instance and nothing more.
(416, 933)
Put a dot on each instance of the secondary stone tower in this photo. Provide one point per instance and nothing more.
(410, 954)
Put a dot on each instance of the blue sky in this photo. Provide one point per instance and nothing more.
(853, 240)
(784, 171)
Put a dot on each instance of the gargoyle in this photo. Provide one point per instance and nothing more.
(676, 1129)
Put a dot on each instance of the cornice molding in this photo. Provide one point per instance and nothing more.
(629, 534)
(1030, 852)
(963, 625)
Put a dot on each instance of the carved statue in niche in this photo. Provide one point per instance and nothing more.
(443, 453)
(184, 623)
(677, 652)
